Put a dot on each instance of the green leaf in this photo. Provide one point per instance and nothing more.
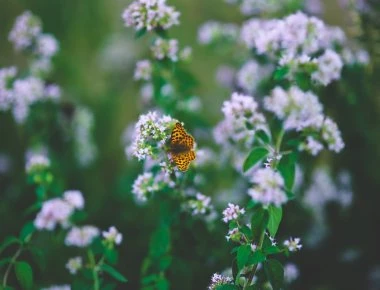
(256, 258)
(165, 262)
(114, 273)
(256, 155)
(275, 216)
(140, 33)
(227, 287)
(272, 250)
(111, 256)
(275, 273)
(242, 256)
(27, 231)
(8, 242)
(287, 168)
(259, 223)
(160, 241)
(290, 195)
(263, 136)
(280, 73)
(162, 284)
(24, 274)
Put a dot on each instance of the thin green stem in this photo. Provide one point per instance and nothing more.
(94, 268)
(253, 272)
(11, 263)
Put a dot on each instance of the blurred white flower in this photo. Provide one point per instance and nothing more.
(54, 211)
(268, 187)
(293, 244)
(165, 48)
(113, 236)
(200, 205)
(81, 236)
(150, 14)
(250, 75)
(47, 45)
(37, 162)
(58, 287)
(330, 65)
(291, 272)
(225, 76)
(74, 265)
(143, 70)
(213, 31)
(7, 75)
(74, 198)
(25, 30)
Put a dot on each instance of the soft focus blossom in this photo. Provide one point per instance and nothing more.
(7, 75)
(200, 205)
(312, 146)
(212, 32)
(58, 287)
(268, 187)
(293, 244)
(329, 65)
(113, 236)
(225, 76)
(54, 211)
(143, 70)
(81, 236)
(150, 14)
(74, 198)
(250, 75)
(291, 272)
(332, 136)
(37, 162)
(233, 235)
(218, 280)
(47, 45)
(232, 212)
(25, 30)
(74, 265)
(165, 48)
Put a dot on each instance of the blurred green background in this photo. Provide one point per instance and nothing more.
(92, 76)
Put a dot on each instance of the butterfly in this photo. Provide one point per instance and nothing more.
(181, 147)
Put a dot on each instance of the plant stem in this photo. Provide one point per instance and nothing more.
(253, 272)
(11, 263)
(94, 267)
(278, 147)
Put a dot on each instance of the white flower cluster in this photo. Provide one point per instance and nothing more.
(213, 32)
(83, 125)
(150, 135)
(7, 75)
(296, 33)
(147, 184)
(218, 280)
(330, 66)
(81, 236)
(150, 14)
(200, 205)
(302, 111)
(74, 265)
(168, 49)
(293, 245)
(143, 70)
(232, 212)
(57, 211)
(165, 48)
(113, 236)
(250, 75)
(37, 162)
(19, 94)
(291, 272)
(241, 120)
(26, 35)
(58, 287)
(268, 187)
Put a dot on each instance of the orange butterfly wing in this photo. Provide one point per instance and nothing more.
(179, 137)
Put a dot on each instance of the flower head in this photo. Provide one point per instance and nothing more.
(74, 265)
(165, 48)
(143, 70)
(293, 245)
(81, 236)
(218, 280)
(54, 211)
(200, 205)
(37, 163)
(232, 212)
(150, 14)
(74, 198)
(113, 236)
(7, 75)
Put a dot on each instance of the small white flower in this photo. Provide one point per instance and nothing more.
(293, 244)
(6, 93)
(143, 70)
(212, 32)
(37, 162)
(165, 48)
(232, 233)
(74, 198)
(74, 265)
(253, 247)
(58, 287)
(113, 235)
(218, 280)
(47, 45)
(200, 205)
(81, 236)
(291, 272)
(232, 212)
(54, 211)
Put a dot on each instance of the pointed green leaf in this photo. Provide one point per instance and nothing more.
(275, 216)
(259, 223)
(114, 273)
(24, 274)
(287, 168)
(27, 231)
(254, 157)
(275, 273)
(256, 258)
(227, 287)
